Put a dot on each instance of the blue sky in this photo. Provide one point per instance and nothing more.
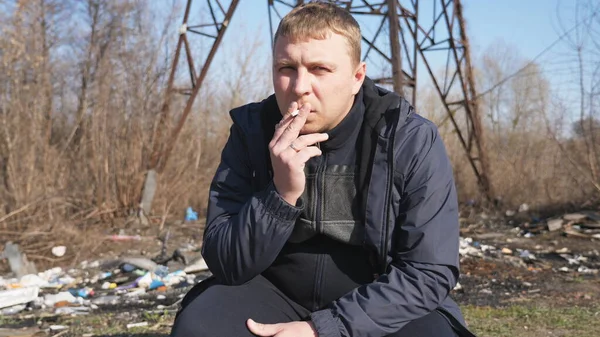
(530, 25)
(526, 26)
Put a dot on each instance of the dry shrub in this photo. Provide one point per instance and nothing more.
(537, 155)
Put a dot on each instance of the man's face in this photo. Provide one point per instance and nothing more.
(319, 72)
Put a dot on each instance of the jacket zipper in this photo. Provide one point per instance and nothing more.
(386, 225)
(388, 201)
(320, 191)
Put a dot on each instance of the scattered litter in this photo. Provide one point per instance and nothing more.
(576, 233)
(526, 255)
(574, 217)
(190, 215)
(12, 297)
(32, 280)
(534, 259)
(121, 237)
(586, 270)
(487, 236)
(161, 282)
(137, 325)
(555, 224)
(17, 261)
(74, 311)
(58, 327)
(106, 300)
(196, 266)
(13, 310)
(130, 263)
(59, 251)
(52, 299)
(458, 287)
(99, 284)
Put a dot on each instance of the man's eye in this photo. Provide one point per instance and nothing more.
(286, 68)
(322, 69)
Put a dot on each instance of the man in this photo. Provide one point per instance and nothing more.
(333, 211)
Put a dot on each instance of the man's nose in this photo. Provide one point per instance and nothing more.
(302, 85)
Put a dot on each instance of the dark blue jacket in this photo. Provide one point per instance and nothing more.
(410, 214)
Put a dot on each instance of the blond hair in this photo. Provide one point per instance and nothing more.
(316, 20)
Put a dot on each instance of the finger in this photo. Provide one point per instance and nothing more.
(291, 113)
(291, 132)
(307, 153)
(285, 121)
(309, 139)
(259, 329)
(290, 116)
(292, 110)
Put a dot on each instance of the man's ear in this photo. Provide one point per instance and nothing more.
(359, 77)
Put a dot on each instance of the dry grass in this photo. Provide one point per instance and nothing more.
(533, 321)
(525, 321)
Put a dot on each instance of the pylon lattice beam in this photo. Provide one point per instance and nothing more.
(163, 141)
(212, 29)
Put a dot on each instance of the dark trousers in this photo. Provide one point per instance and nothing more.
(215, 310)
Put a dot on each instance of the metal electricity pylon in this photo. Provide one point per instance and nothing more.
(398, 36)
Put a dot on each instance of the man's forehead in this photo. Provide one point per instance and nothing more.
(287, 48)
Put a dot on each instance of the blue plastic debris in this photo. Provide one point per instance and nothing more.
(83, 292)
(155, 284)
(161, 271)
(128, 268)
(190, 215)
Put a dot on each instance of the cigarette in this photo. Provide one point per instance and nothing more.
(295, 113)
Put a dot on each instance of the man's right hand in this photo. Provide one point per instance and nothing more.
(290, 152)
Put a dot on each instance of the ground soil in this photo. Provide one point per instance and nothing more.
(493, 280)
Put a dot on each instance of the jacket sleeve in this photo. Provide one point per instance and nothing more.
(245, 230)
(424, 258)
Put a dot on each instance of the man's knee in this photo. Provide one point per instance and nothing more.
(431, 325)
(219, 310)
(197, 317)
(187, 326)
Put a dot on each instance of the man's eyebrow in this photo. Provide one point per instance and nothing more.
(321, 63)
(315, 63)
(284, 62)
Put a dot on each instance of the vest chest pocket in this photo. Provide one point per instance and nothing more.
(332, 209)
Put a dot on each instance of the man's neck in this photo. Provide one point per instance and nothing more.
(351, 121)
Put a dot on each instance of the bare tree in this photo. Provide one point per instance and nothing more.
(583, 41)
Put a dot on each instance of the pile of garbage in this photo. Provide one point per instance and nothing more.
(535, 242)
(561, 259)
(100, 284)
(585, 225)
